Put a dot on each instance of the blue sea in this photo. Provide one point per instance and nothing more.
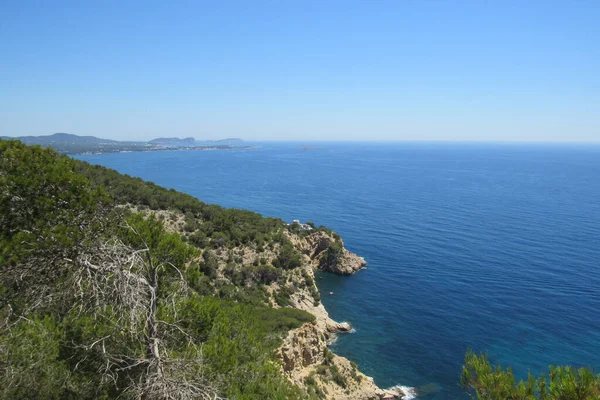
(494, 247)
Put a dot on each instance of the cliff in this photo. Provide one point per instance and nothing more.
(306, 360)
(327, 252)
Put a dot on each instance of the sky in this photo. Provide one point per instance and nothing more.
(302, 70)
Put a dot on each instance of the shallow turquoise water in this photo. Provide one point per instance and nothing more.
(492, 247)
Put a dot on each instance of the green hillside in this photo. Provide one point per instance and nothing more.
(98, 301)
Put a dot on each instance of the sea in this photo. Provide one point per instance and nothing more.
(493, 247)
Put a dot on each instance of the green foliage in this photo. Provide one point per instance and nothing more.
(31, 352)
(332, 255)
(314, 292)
(313, 387)
(46, 208)
(210, 265)
(108, 281)
(230, 227)
(199, 239)
(282, 296)
(329, 370)
(486, 382)
(148, 233)
(238, 339)
(337, 377)
(288, 257)
(327, 356)
(263, 274)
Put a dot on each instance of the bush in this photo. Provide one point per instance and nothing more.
(338, 378)
(282, 297)
(199, 239)
(288, 257)
(481, 379)
(210, 265)
(332, 255)
(266, 274)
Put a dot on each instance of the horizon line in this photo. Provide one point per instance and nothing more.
(491, 141)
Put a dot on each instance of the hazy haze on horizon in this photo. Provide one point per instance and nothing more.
(385, 70)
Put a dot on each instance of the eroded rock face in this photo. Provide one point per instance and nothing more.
(349, 263)
(315, 246)
(303, 355)
(318, 242)
(303, 352)
(302, 347)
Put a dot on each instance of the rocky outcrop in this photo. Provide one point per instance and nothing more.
(302, 348)
(347, 264)
(308, 363)
(306, 360)
(327, 252)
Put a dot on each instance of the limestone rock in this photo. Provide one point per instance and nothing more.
(349, 263)
(315, 245)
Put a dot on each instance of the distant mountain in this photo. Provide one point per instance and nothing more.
(61, 138)
(67, 143)
(175, 141)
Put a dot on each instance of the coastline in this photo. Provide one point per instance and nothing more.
(156, 149)
(306, 359)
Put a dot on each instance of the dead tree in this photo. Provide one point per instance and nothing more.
(113, 281)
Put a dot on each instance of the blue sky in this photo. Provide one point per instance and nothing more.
(302, 70)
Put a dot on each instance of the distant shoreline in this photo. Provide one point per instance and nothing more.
(155, 149)
(66, 143)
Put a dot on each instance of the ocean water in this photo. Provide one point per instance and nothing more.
(494, 247)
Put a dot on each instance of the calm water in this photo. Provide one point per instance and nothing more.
(492, 247)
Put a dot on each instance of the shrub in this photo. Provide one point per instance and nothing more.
(288, 257)
(332, 255)
(282, 297)
(481, 379)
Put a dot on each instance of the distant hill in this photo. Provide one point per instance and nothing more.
(67, 143)
(61, 138)
(174, 141)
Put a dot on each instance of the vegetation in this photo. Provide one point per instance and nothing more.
(288, 257)
(310, 282)
(331, 257)
(211, 224)
(330, 371)
(486, 382)
(99, 302)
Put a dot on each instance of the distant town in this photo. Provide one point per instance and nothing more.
(66, 143)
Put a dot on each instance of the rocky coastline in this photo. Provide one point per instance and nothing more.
(306, 360)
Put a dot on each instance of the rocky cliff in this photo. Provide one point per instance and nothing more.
(327, 252)
(306, 360)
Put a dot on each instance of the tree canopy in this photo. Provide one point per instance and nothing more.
(486, 382)
(99, 302)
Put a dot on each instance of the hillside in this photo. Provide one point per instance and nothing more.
(67, 143)
(63, 138)
(111, 286)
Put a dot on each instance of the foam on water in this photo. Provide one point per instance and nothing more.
(410, 393)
